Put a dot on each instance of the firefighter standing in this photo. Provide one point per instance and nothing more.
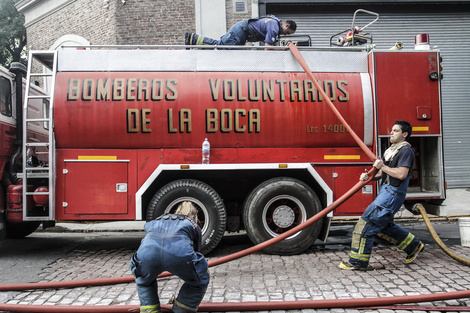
(394, 170)
(266, 29)
(171, 244)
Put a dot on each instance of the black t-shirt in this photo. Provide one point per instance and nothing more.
(404, 158)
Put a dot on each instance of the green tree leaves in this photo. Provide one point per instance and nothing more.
(12, 34)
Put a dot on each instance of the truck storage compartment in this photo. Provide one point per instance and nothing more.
(427, 176)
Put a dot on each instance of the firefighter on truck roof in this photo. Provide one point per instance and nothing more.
(267, 29)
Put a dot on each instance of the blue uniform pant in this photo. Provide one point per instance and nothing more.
(236, 36)
(378, 220)
(152, 259)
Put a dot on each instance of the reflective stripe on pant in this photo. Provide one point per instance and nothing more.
(359, 242)
(150, 308)
(364, 235)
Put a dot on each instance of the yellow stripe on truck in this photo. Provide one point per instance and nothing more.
(97, 157)
(341, 157)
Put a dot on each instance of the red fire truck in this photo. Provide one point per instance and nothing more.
(122, 129)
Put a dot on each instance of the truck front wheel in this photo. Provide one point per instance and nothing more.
(211, 209)
(278, 205)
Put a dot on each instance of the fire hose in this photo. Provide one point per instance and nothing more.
(245, 306)
(418, 208)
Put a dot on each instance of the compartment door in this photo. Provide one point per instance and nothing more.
(96, 187)
(345, 178)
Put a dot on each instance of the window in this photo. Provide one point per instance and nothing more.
(5, 96)
(240, 6)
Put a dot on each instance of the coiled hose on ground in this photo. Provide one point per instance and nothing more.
(245, 306)
(418, 208)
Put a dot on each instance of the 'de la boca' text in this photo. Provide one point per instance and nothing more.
(224, 120)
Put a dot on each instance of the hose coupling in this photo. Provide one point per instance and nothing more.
(416, 209)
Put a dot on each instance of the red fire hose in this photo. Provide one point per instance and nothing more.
(300, 59)
(256, 306)
(245, 306)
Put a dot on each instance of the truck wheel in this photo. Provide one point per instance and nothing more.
(211, 210)
(21, 230)
(278, 205)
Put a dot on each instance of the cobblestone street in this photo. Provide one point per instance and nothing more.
(261, 277)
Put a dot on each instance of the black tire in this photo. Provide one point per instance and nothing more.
(21, 230)
(212, 216)
(278, 205)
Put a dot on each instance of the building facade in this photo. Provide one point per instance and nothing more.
(51, 24)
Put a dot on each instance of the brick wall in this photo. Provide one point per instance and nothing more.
(154, 22)
(86, 18)
(233, 17)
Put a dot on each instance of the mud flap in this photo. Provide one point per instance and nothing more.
(325, 230)
(3, 227)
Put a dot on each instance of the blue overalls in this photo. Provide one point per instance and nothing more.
(237, 35)
(168, 246)
(377, 219)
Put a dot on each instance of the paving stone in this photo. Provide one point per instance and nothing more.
(313, 275)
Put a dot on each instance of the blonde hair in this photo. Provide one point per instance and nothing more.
(187, 208)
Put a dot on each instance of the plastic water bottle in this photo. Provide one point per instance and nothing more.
(206, 151)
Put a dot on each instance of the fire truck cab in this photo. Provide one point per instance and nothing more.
(12, 88)
(124, 127)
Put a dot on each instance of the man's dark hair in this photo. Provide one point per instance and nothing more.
(292, 25)
(405, 127)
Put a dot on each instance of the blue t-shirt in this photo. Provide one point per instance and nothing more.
(404, 158)
(264, 29)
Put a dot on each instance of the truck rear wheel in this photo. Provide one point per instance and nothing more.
(278, 205)
(211, 210)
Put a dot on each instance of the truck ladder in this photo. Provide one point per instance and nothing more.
(43, 141)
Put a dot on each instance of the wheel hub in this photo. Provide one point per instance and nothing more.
(283, 216)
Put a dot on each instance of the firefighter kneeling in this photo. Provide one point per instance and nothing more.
(171, 244)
